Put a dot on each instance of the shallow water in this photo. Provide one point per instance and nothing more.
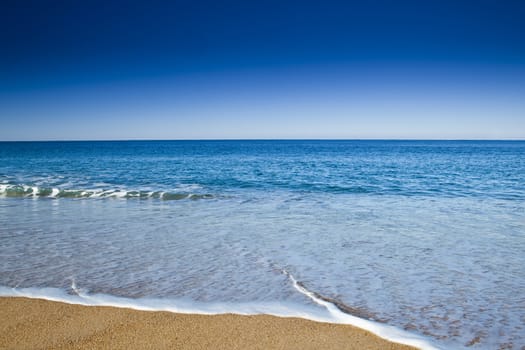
(426, 236)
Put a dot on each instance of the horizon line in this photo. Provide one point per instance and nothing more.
(265, 139)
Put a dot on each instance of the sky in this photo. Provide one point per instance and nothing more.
(378, 69)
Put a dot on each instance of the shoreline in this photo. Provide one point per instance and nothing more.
(38, 323)
(328, 313)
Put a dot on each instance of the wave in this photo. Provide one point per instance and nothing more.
(343, 314)
(53, 192)
(328, 313)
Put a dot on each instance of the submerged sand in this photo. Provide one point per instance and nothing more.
(41, 324)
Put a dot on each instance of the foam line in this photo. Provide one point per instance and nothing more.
(328, 314)
(387, 332)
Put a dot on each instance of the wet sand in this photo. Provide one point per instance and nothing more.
(40, 324)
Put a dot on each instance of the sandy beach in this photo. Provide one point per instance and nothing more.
(41, 324)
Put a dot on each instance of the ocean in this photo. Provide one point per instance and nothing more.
(419, 241)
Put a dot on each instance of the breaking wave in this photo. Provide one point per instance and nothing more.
(26, 191)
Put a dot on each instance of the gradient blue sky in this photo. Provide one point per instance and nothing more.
(273, 69)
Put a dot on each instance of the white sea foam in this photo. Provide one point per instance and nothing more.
(119, 194)
(384, 331)
(328, 314)
(9, 190)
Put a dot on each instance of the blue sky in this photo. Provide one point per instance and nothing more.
(198, 70)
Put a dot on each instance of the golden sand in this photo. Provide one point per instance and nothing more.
(40, 324)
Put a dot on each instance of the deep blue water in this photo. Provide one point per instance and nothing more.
(427, 236)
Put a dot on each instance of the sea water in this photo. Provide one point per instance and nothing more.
(418, 241)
